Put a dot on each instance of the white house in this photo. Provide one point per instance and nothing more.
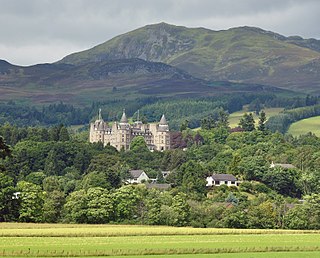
(222, 179)
(137, 177)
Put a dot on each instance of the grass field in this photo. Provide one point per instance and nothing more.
(235, 117)
(304, 126)
(59, 240)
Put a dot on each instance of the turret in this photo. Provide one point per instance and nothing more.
(124, 119)
(163, 120)
(163, 125)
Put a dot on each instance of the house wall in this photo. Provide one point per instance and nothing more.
(211, 182)
(142, 178)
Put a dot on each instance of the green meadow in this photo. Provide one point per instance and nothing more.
(304, 126)
(235, 117)
(61, 240)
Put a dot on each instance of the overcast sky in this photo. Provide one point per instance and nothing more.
(39, 31)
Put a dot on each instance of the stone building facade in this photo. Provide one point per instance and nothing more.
(120, 134)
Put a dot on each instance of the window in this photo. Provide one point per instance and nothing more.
(226, 182)
(217, 182)
(233, 182)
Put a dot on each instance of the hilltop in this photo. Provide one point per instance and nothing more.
(243, 54)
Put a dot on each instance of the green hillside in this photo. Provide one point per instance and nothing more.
(240, 54)
(304, 126)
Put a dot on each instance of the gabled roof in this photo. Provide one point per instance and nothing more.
(223, 177)
(135, 173)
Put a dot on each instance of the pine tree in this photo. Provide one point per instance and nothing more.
(262, 121)
(247, 122)
(64, 134)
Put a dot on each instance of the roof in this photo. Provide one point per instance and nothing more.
(163, 120)
(159, 186)
(136, 173)
(124, 118)
(283, 165)
(223, 177)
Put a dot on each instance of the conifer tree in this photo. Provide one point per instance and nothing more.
(247, 122)
(262, 121)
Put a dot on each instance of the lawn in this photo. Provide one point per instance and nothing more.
(304, 126)
(235, 117)
(52, 240)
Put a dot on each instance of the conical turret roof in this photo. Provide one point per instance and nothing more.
(124, 118)
(163, 120)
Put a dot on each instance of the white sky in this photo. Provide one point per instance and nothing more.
(40, 31)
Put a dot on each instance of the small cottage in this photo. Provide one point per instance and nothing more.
(222, 179)
(137, 177)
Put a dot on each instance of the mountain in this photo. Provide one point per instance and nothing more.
(108, 80)
(243, 54)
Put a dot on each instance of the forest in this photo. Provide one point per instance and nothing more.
(177, 110)
(51, 174)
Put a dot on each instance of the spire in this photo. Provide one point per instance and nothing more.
(124, 118)
(163, 120)
(99, 114)
(138, 116)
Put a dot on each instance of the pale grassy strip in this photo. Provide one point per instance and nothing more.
(81, 230)
(235, 255)
(166, 252)
(160, 244)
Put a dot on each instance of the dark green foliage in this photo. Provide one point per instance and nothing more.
(52, 207)
(52, 114)
(31, 200)
(262, 121)
(7, 203)
(4, 149)
(247, 122)
(284, 181)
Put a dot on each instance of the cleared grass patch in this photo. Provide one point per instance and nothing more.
(61, 240)
(304, 126)
(235, 117)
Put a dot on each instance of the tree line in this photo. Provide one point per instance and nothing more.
(151, 109)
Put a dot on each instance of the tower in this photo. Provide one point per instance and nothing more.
(124, 135)
(97, 129)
